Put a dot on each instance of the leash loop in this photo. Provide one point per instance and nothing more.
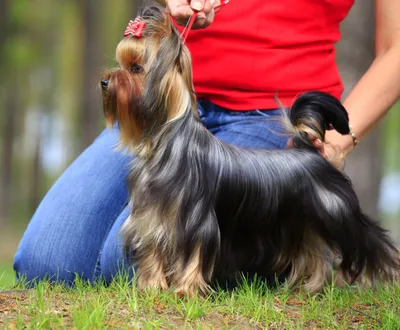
(189, 25)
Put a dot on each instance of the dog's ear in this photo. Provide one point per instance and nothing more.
(169, 24)
(158, 21)
(168, 88)
(152, 12)
(184, 65)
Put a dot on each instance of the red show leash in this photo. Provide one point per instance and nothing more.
(189, 24)
(188, 27)
(135, 28)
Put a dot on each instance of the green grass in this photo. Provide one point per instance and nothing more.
(250, 306)
(6, 274)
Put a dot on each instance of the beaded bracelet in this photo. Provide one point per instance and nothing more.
(354, 137)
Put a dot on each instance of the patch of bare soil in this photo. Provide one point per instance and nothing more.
(9, 304)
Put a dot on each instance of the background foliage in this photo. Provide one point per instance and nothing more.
(52, 54)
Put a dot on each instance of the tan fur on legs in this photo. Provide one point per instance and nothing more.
(190, 279)
(311, 269)
(151, 271)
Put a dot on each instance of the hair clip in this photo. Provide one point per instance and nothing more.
(135, 28)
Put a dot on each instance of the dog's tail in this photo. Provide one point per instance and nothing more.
(312, 114)
(377, 259)
(366, 250)
(371, 257)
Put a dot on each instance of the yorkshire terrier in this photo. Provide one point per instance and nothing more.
(204, 210)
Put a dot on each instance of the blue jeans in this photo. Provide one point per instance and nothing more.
(75, 230)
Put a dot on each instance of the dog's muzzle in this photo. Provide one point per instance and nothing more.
(104, 84)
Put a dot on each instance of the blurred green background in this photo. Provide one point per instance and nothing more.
(52, 54)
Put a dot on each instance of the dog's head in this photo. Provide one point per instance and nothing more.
(153, 84)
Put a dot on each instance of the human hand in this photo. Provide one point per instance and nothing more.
(182, 10)
(331, 152)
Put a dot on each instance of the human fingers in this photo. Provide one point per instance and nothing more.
(180, 10)
(206, 12)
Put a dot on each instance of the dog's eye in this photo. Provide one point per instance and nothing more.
(136, 68)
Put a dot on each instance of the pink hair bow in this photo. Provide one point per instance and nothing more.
(135, 28)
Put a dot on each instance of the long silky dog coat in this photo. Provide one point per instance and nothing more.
(203, 209)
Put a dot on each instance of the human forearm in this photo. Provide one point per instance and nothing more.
(379, 88)
(371, 98)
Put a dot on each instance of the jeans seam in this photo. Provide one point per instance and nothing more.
(97, 266)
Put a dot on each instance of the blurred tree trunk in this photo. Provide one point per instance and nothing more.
(43, 96)
(355, 54)
(91, 107)
(8, 134)
(3, 22)
(9, 107)
(36, 175)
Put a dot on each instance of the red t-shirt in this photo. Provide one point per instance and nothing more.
(257, 48)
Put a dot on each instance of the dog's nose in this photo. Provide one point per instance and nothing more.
(104, 84)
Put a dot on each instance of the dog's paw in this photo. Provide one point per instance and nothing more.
(191, 290)
(159, 284)
(184, 293)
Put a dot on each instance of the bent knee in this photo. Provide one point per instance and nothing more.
(34, 263)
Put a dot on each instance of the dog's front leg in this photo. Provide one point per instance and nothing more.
(188, 278)
(151, 272)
